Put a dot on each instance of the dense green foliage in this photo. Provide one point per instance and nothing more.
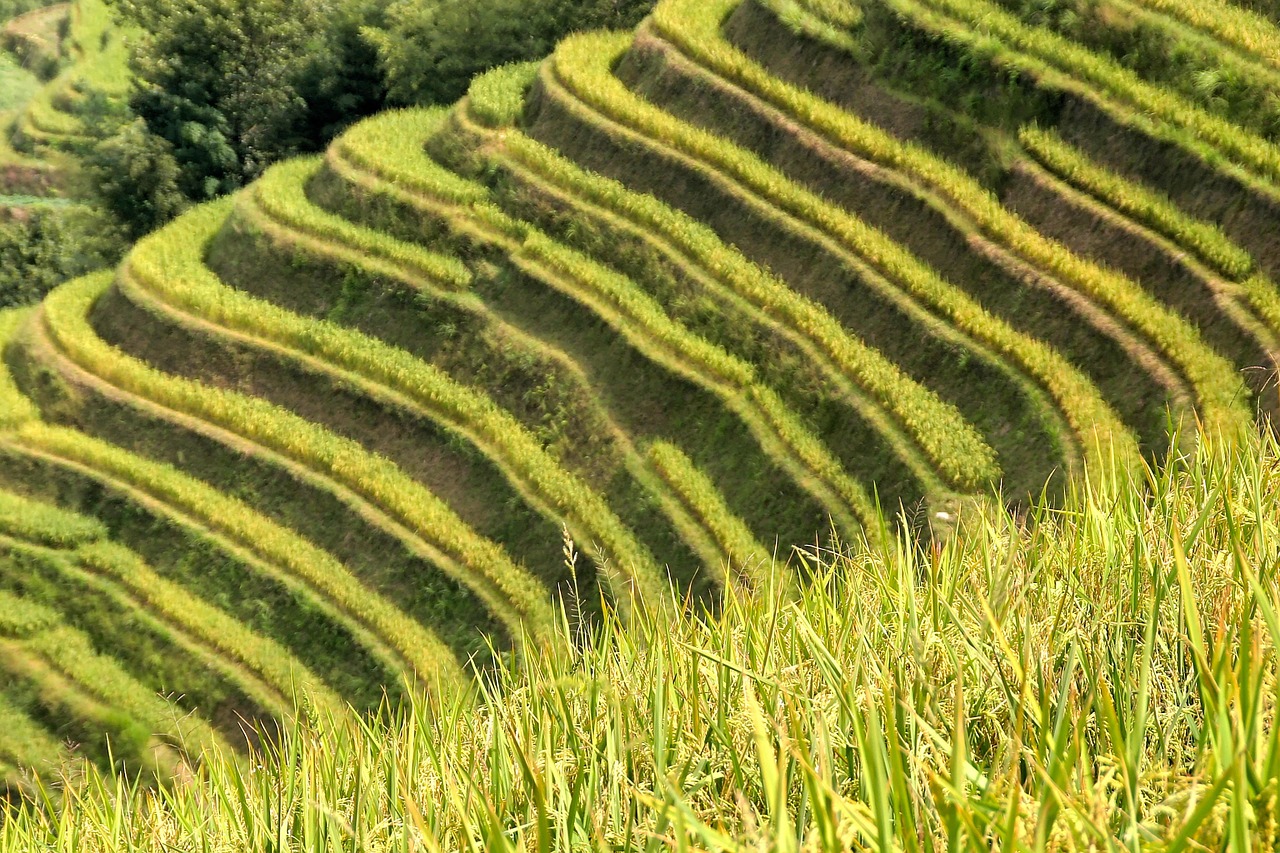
(432, 48)
(13, 8)
(44, 246)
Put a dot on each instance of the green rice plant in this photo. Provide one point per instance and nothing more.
(42, 523)
(15, 408)
(260, 656)
(508, 590)
(1156, 211)
(952, 445)
(280, 192)
(628, 567)
(47, 525)
(20, 617)
(632, 312)
(806, 18)
(694, 28)
(275, 601)
(1100, 677)
(582, 63)
(159, 654)
(278, 547)
(27, 744)
(1232, 23)
(104, 735)
(497, 97)
(1003, 35)
(1150, 208)
(749, 561)
(173, 269)
(70, 653)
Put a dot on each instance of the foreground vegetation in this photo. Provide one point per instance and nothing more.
(1102, 676)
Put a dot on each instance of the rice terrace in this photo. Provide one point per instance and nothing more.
(775, 425)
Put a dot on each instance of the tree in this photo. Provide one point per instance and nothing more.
(135, 178)
(430, 49)
(216, 80)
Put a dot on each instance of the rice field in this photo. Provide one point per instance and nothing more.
(747, 432)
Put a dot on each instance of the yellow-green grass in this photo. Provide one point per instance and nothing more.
(952, 446)
(45, 524)
(582, 63)
(1232, 23)
(1152, 209)
(689, 521)
(27, 744)
(1002, 34)
(748, 559)
(1039, 686)
(306, 228)
(172, 267)
(625, 307)
(71, 654)
(17, 85)
(389, 374)
(507, 590)
(695, 29)
(1155, 210)
(268, 672)
(545, 482)
(104, 733)
(21, 618)
(160, 655)
(276, 550)
(15, 408)
(100, 63)
(365, 663)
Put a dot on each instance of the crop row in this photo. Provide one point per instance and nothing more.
(70, 653)
(581, 63)
(442, 199)
(42, 523)
(1150, 208)
(66, 320)
(627, 564)
(171, 602)
(123, 475)
(20, 617)
(279, 200)
(641, 320)
(1229, 22)
(952, 446)
(161, 656)
(1156, 211)
(26, 743)
(154, 267)
(981, 22)
(748, 559)
(15, 408)
(81, 704)
(532, 470)
(694, 28)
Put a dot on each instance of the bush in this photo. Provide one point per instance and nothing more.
(41, 247)
(430, 49)
(135, 176)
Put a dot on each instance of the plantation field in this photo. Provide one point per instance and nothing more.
(673, 323)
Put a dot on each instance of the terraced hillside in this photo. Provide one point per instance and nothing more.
(48, 80)
(681, 300)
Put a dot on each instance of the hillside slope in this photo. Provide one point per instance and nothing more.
(682, 300)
